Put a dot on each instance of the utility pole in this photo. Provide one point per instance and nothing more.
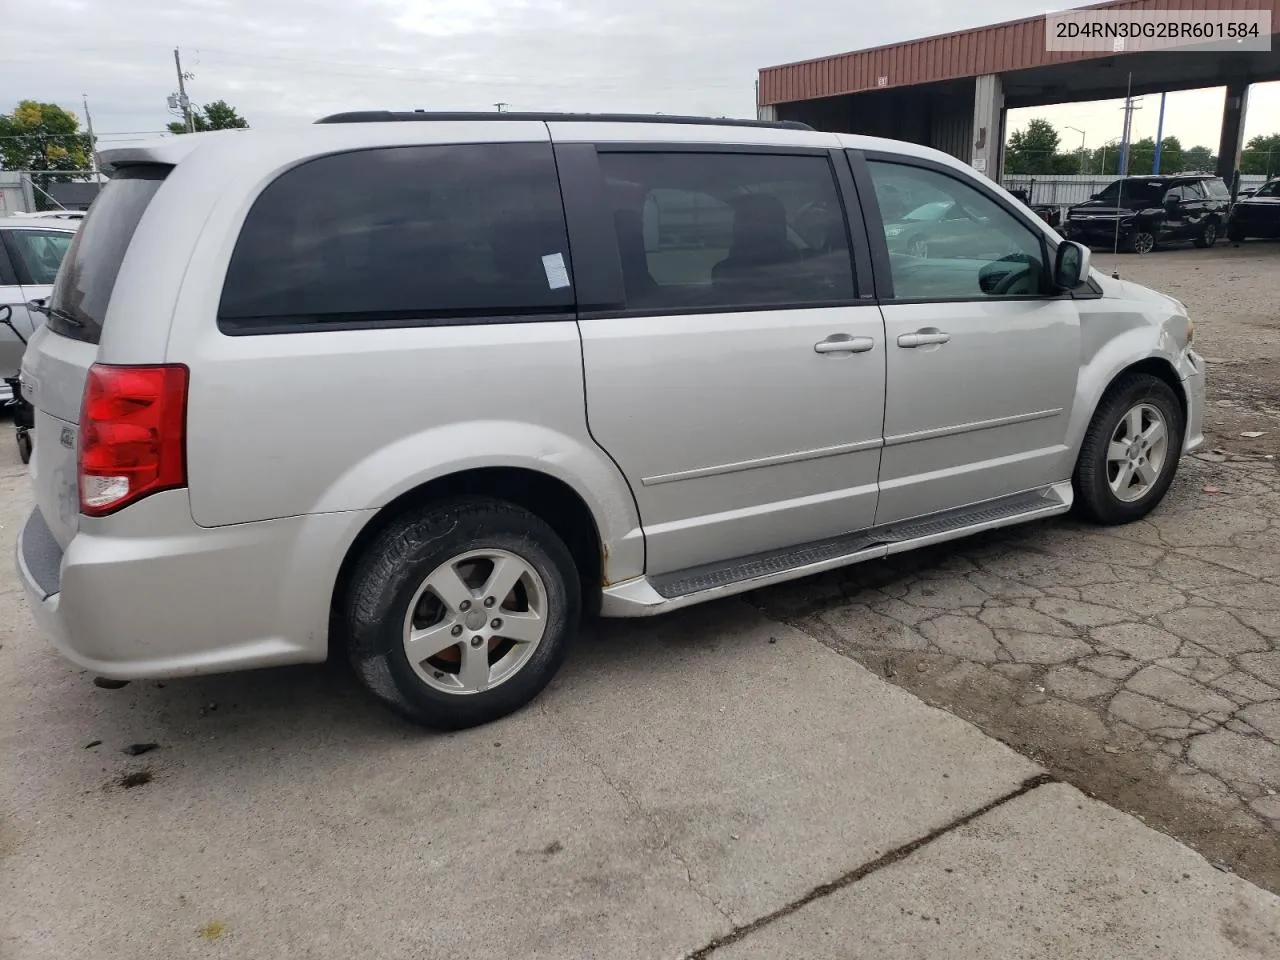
(1155, 162)
(93, 143)
(1129, 107)
(182, 93)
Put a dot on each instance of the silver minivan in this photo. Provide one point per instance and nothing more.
(613, 365)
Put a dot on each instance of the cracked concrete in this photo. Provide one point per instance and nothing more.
(1157, 640)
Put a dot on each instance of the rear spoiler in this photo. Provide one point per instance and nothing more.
(169, 151)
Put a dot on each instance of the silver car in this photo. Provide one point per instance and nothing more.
(31, 249)
(598, 364)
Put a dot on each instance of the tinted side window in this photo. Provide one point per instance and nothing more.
(1194, 189)
(976, 249)
(1217, 189)
(724, 231)
(39, 253)
(441, 233)
(1177, 193)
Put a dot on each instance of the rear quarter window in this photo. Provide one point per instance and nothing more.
(1217, 189)
(403, 236)
(82, 290)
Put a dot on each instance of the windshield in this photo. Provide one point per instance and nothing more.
(1132, 193)
(78, 304)
(1270, 189)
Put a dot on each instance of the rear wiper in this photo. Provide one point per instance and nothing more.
(42, 307)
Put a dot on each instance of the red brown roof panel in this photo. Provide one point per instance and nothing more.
(1015, 45)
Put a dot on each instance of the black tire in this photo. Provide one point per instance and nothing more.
(1094, 498)
(1208, 236)
(1236, 235)
(393, 567)
(24, 446)
(1142, 242)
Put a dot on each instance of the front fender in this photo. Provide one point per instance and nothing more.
(397, 468)
(1104, 358)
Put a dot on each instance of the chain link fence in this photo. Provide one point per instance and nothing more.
(32, 191)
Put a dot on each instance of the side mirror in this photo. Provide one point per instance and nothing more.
(1071, 265)
(1171, 202)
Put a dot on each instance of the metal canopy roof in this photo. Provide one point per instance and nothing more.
(1000, 48)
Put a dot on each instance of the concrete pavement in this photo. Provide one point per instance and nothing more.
(1140, 662)
(712, 778)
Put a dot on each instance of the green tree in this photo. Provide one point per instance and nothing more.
(1032, 150)
(43, 137)
(1198, 159)
(1261, 155)
(218, 115)
(1067, 164)
(1142, 155)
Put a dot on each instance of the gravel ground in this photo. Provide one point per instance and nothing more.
(1140, 663)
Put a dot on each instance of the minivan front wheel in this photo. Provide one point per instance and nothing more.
(461, 613)
(1130, 451)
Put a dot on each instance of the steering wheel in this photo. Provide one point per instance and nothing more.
(1017, 271)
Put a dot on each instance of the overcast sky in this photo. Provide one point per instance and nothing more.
(290, 61)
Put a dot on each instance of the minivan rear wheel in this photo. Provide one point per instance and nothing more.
(461, 613)
(1130, 451)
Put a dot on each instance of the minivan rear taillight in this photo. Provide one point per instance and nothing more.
(132, 435)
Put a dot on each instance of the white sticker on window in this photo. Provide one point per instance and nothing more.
(557, 273)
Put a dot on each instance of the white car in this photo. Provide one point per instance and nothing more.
(31, 250)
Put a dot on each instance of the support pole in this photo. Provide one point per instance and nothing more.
(1231, 142)
(988, 125)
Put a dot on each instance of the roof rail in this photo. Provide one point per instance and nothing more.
(387, 116)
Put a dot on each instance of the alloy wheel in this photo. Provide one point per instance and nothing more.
(1137, 452)
(475, 621)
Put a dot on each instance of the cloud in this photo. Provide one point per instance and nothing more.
(289, 61)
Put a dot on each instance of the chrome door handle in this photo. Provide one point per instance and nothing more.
(923, 339)
(843, 343)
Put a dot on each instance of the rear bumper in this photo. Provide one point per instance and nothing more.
(159, 596)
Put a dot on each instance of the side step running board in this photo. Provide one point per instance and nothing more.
(650, 595)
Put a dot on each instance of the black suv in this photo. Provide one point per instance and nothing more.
(1257, 215)
(1151, 211)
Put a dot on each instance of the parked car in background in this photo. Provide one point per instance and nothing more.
(31, 250)
(52, 215)
(614, 364)
(1050, 213)
(1139, 214)
(1257, 215)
